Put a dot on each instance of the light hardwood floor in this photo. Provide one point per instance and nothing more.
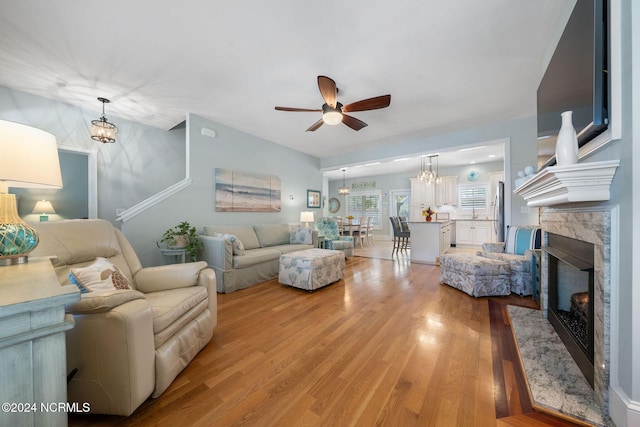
(388, 345)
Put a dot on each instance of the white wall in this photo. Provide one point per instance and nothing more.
(625, 192)
(235, 150)
(143, 161)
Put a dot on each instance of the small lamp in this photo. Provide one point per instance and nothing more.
(306, 217)
(29, 160)
(44, 208)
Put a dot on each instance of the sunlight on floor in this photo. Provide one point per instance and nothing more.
(382, 249)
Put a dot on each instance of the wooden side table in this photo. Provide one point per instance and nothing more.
(321, 241)
(174, 255)
(32, 343)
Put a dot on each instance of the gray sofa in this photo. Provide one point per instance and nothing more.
(256, 258)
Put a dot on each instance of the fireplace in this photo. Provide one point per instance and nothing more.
(594, 226)
(570, 298)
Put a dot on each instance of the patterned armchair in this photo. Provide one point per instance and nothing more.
(332, 238)
(517, 251)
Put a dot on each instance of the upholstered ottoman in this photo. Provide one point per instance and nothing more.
(311, 269)
(475, 275)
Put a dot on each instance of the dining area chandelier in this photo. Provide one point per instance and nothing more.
(428, 176)
(344, 190)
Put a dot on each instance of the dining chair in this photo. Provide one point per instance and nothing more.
(368, 232)
(400, 238)
(352, 229)
(340, 225)
(361, 231)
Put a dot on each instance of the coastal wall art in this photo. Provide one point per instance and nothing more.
(246, 192)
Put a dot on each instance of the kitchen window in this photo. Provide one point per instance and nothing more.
(473, 196)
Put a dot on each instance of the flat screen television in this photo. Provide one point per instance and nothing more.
(576, 79)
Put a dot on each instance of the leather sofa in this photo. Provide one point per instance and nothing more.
(245, 255)
(128, 344)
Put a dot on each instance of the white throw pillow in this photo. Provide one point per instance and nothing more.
(238, 247)
(102, 275)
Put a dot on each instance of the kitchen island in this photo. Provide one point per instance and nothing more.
(429, 240)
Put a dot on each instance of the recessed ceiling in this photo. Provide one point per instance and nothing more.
(448, 65)
(464, 156)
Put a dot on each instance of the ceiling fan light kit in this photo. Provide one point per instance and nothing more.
(333, 111)
(332, 116)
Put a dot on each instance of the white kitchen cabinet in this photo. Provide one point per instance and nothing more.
(445, 237)
(474, 232)
(447, 191)
(422, 196)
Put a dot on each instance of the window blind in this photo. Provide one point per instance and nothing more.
(365, 204)
(473, 196)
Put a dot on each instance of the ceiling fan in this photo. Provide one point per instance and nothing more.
(333, 111)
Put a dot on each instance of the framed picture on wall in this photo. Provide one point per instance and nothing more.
(313, 199)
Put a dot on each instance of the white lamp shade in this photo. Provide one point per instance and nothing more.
(43, 207)
(28, 157)
(306, 216)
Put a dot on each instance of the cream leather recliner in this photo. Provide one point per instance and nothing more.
(128, 345)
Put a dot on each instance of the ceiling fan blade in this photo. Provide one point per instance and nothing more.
(352, 122)
(297, 109)
(328, 90)
(368, 104)
(316, 125)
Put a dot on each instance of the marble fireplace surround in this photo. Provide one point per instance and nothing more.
(593, 225)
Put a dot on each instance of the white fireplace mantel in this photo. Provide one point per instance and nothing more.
(582, 182)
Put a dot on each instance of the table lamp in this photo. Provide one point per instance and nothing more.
(44, 208)
(28, 159)
(306, 217)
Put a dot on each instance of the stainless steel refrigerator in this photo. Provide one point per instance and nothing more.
(498, 212)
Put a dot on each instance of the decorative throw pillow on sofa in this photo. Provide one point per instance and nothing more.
(102, 275)
(238, 248)
(301, 235)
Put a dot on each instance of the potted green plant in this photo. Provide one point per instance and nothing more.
(182, 236)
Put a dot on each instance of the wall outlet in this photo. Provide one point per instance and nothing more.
(525, 209)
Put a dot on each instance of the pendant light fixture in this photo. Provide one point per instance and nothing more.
(421, 177)
(101, 129)
(344, 190)
(438, 179)
(427, 176)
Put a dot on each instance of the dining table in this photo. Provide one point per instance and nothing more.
(352, 227)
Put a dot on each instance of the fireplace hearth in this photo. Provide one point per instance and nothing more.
(570, 284)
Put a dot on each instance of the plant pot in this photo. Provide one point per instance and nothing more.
(180, 241)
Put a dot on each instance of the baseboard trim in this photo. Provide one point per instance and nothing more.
(623, 411)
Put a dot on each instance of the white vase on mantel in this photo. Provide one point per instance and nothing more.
(567, 142)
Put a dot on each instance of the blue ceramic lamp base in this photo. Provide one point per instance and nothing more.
(17, 238)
